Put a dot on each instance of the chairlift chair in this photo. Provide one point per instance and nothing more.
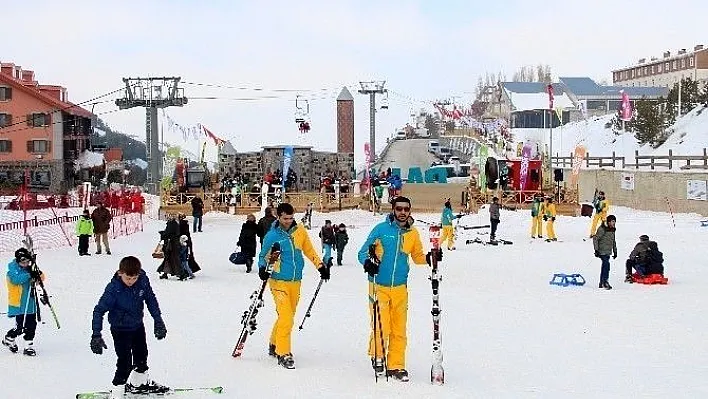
(384, 100)
(302, 111)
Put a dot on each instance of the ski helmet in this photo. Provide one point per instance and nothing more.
(22, 254)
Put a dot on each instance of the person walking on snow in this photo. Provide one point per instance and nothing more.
(494, 215)
(123, 299)
(286, 277)
(393, 241)
(22, 301)
(327, 237)
(197, 213)
(247, 240)
(537, 212)
(101, 218)
(602, 207)
(265, 223)
(184, 253)
(549, 215)
(605, 245)
(448, 231)
(84, 229)
(341, 238)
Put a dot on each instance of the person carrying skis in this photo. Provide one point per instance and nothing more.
(601, 206)
(392, 241)
(341, 238)
(123, 299)
(605, 245)
(494, 216)
(448, 231)
(22, 301)
(327, 237)
(549, 215)
(84, 230)
(286, 277)
(537, 211)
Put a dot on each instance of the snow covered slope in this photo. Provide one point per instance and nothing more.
(506, 331)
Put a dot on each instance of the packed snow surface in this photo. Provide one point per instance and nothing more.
(506, 332)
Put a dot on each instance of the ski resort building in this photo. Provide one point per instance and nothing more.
(40, 131)
(665, 71)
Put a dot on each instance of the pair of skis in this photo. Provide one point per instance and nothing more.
(174, 391)
(44, 296)
(437, 373)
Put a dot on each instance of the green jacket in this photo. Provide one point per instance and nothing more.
(604, 240)
(536, 208)
(84, 227)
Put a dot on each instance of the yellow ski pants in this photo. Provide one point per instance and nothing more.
(393, 308)
(286, 295)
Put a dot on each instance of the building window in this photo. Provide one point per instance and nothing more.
(38, 120)
(673, 65)
(690, 62)
(683, 63)
(5, 93)
(666, 67)
(5, 146)
(5, 120)
(38, 146)
(633, 73)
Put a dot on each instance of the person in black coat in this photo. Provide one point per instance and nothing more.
(170, 236)
(184, 231)
(197, 213)
(247, 240)
(265, 223)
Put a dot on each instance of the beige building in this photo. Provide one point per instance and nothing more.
(309, 165)
(665, 71)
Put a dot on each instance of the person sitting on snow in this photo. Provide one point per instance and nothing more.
(645, 258)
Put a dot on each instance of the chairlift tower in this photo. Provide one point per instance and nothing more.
(152, 93)
(372, 89)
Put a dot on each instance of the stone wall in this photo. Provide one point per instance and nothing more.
(651, 189)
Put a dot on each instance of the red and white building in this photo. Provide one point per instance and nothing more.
(40, 131)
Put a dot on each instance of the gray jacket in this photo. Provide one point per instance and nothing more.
(494, 211)
(604, 241)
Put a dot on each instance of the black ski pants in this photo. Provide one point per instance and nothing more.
(24, 324)
(494, 223)
(131, 349)
(83, 244)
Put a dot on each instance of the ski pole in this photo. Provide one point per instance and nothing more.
(312, 302)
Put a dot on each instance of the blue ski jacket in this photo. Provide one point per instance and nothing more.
(393, 245)
(294, 243)
(19, 287)
(125, 305)
(447, 217)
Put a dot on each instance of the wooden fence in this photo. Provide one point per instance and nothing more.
(684, 162)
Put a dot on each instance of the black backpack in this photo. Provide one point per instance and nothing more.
(653, 255)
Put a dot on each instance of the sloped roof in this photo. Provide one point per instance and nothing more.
(582, 86)
(532, 87)
(345, 95)
(67, 107)
(227, 148)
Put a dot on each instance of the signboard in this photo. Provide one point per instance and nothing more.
(696, 190)
(627, 181)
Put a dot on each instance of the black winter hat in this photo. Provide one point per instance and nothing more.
(643, 237)
(611, 218)
(22, 254)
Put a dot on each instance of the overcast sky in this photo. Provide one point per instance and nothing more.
(423, 49)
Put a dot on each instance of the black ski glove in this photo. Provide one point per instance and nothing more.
(614, 256)
(263, 274)
(98, 344)
(429, 256)
(371, 268)
(324, 272)
(160, 330)
(597, 254)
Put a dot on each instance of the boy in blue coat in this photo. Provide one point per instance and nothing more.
(124, 300)
(22, 301)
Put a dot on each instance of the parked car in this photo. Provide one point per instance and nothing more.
(400, 135)
(433, 147)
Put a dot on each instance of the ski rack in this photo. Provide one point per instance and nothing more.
(564, 280)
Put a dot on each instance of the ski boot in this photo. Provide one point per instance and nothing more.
(628, 279)
(378, 366)
(29, 349)
(140, 383)
(287, 361)
(398, 375)
(10, 343)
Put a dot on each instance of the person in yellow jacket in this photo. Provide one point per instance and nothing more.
(549, 215)
(602, 207)
(84, 229)
(537, 210)
(286, 276)
(385, 258)
(448, 231)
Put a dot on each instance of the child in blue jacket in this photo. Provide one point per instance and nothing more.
(124, 300)
(22, 301)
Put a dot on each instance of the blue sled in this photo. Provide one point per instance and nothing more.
(565, 280)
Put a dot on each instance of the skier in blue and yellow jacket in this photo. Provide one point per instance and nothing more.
(448, 231)
(286, 276)
(22, 300)
(392, 241)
